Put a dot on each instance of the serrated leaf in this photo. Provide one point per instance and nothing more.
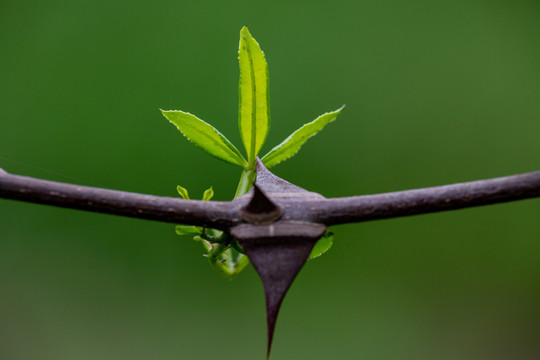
(187, 229)
(290, 146)
(206, 136)
(208, 194)
(254, 109)
(182, 192)
(323, 245)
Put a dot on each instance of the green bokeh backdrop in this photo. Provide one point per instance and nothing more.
(436, 92)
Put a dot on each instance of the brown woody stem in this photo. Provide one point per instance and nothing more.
(223, 215)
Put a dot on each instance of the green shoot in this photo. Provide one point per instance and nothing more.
(223, 252)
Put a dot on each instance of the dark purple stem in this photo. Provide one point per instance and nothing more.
(223, 215)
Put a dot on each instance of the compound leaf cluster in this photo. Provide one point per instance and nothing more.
(253, 116)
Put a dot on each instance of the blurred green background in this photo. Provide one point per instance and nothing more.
(436, 91)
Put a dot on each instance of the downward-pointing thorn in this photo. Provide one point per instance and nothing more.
(277, 251)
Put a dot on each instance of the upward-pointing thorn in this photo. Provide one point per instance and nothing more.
(260, 209)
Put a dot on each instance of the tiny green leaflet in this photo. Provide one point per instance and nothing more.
(221, 251)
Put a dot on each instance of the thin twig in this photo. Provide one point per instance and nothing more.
(214, 214)
(223, 215)
(427, 200)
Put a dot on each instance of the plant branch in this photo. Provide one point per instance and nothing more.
(427, 200)
(224, 215)
(214, 214)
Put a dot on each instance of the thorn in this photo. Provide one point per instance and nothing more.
(277, 252)
(270, 183)
(277, 261)
(260, 209)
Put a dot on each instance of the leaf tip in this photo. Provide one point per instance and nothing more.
(243, 33)
(246, 35)
(338, 111)
(166, 113)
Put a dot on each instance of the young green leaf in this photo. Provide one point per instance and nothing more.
(323, 245)
(187, 229)
(208, 194)
(254, 110)
(206, 136)
(227, 261)
(292, 144)
(183, 192)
